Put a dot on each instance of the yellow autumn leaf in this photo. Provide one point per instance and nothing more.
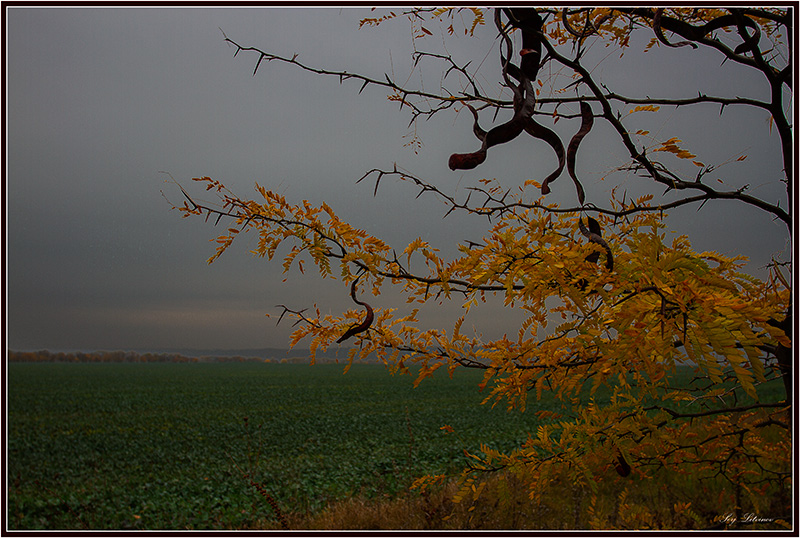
(671, 146)
(642, 108)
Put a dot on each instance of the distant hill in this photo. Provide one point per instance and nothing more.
(273, 353)
(178, 355)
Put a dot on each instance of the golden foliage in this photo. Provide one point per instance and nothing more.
(663, 306)
(583, 328)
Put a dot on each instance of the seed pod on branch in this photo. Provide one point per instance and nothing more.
(364, 325)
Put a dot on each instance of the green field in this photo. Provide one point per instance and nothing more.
(162, 445)
(165, 445)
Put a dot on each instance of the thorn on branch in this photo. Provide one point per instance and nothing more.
(377, 181)
(286, 309)
(258, 64)
(189, 198)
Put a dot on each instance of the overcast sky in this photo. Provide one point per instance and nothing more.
(101, 101)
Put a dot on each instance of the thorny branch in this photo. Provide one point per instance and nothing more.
(403, 93)
(640, 160)
(392, 268)
(656, 171)
(493, 203)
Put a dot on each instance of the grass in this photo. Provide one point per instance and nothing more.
(161, 445)
(167, 446)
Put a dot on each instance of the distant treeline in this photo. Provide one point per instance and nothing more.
(119, 356)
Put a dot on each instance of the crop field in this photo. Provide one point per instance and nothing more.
(166, 446)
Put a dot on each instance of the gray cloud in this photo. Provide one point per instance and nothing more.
(100, 100)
